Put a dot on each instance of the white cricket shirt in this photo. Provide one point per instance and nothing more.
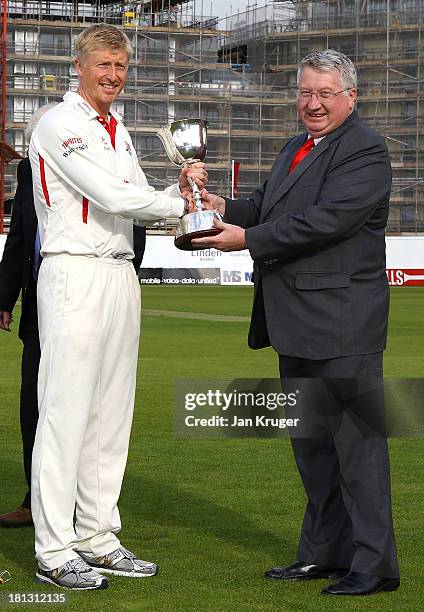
(87, 193)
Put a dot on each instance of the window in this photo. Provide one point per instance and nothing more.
(25, 76)
(148, 146)
(409, 47)
(24, 108)
(19, 142)
(407, 218)
(118, 107)
(26, 41)
(55, 43)
(409, 109)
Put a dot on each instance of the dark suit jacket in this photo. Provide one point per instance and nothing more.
(139, 235)
(17, 263)
(317, 240)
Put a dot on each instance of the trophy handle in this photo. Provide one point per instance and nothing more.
(196, 194)
(173, 154)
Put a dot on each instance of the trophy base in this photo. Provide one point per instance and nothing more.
(184, 242)
(196, 225)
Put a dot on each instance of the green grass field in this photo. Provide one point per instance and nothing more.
(214, 513)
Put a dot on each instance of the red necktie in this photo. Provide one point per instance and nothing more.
(301, 153)
(109, 127)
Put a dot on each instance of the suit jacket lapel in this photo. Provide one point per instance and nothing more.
(283, 181)
(280, 172)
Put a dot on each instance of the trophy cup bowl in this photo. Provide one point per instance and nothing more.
(185, 142)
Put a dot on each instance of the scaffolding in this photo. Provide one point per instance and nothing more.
(385, 40)
(238, 72)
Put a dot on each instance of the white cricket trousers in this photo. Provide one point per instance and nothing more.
(89, 322)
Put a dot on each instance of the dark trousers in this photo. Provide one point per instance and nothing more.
(28, 403)
(345, 469)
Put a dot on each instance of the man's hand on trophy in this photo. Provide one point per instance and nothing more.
(211, 201)
(231, 238)
(196, 172)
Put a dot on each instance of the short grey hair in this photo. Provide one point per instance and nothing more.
(30, 127)
(328, 60)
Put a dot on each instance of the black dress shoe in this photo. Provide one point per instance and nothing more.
(356, 583)
(300, 570)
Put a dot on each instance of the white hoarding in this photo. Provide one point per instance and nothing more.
(405, 263)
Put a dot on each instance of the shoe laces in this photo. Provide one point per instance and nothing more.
(77, 565)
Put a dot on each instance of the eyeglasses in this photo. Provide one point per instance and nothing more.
(322, 96)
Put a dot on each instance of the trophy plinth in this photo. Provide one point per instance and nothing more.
(185, 142)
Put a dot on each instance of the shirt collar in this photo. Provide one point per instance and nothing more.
(316, 140)
(78, 102)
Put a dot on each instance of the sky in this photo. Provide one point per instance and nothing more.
(223, 7)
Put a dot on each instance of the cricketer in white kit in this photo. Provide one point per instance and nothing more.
(88, 188)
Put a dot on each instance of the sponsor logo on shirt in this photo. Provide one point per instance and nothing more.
(84, 107)
(73, 144)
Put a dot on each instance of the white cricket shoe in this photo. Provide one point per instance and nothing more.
(75, 575)
(121, 562)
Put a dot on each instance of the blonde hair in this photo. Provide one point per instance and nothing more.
(100, 36)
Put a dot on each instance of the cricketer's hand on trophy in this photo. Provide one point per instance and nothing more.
(193, 173)
(192, 205)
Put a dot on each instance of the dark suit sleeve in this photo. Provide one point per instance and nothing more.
(357, 183)
(12, 263)
(245, 212)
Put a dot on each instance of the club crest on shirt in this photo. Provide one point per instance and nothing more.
(106, 143)
(73, 144)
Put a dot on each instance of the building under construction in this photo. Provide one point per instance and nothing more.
(238, 72)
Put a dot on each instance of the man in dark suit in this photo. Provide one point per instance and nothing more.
(18, 272)
(315, 230)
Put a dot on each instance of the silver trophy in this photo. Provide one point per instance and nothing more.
(185, 142)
